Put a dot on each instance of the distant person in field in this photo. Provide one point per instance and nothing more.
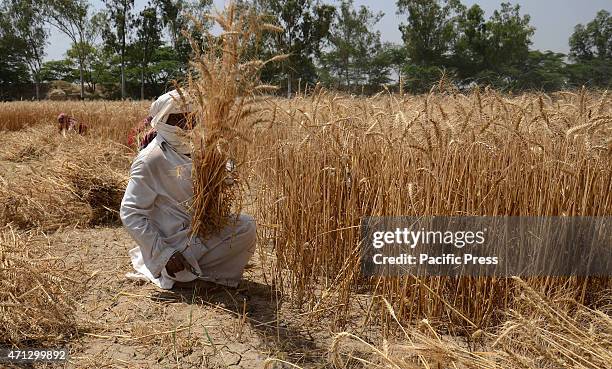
(155, 211)
(141, 135)
(68, 124)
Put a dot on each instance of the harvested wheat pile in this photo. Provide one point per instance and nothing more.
(57, 94)
(32, 201)
(32, 143)
(36, 306)
(51, 182)
(96, 173)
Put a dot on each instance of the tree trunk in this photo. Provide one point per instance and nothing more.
(288, 85)
(142, 83)
(82, 80)
(37, 83)
(123, 51)
(122, 75)
(346, 78)
(289, 69)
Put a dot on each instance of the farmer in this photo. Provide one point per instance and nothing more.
(141, 135)
(155, 211)
(69, 124)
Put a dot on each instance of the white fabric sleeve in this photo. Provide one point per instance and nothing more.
(136, 208)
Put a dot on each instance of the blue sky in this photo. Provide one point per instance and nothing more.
(554, 20)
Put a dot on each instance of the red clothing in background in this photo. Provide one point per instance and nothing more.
(140, 136)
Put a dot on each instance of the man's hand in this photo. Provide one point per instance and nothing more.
(176, 263)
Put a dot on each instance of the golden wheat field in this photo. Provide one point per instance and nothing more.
(312, 167)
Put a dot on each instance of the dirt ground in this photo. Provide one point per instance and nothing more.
(133, 324)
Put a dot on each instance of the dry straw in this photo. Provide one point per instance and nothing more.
(49, 182)
(540, 333)
(36, 294)
(106, 119)
(224, 87)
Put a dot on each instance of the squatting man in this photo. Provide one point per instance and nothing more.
(155, 211)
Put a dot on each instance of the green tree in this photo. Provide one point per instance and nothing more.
(175, 16)
(594, 73)
(305, 27)
(446, 37)
(510, 38)
(165, 67)
(591, 52)
(27, 35)
(120, 18)
(497, 50)
(594, 40)
(356, 56)
(59, 70)
(71, 18)
(85, 53)
(170, 17)
(581, 44)
(430, 29)
(89, 53)
(379, 68)
(12, 66)
(420, 78)
(105, 70)
(470, 50)
(148, 32)
(396, 56)
(542, 71)
(429, 36)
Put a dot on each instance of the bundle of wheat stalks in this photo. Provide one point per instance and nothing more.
(36, 289)
(224, 87)
(52, 182)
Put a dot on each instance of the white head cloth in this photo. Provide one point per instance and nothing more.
(166, 104)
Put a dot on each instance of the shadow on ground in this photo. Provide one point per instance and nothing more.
(256, 305)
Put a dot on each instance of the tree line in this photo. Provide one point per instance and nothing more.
(118, 52)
